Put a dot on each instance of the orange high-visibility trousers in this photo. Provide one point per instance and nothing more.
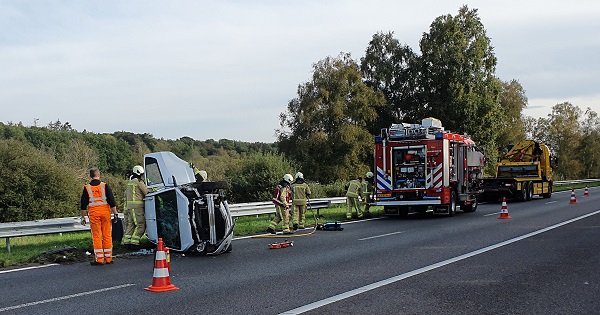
(101, 226)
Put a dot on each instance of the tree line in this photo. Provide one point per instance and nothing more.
(326, 132)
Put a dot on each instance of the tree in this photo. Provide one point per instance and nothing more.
(562, 132)
(389, 67)
(511, 124)
(589, 149)
(457, 77)
(325, 128)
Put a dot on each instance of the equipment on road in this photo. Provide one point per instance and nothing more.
(283, 244)
(573, 200)
(330, 226)
(161, 281)
(419, 167)
(187, 214)
(524, 171)
(504, 210)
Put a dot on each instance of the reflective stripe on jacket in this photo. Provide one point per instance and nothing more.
(97, 198)
(135, 193)
(354, 189)
(300, 191)
(282, 195)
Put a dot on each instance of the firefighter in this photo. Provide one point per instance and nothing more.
(352, 195)
(300, 195)
(281, 199)
(200, 175)
(367, 191)
(97, 202)
(135, 220)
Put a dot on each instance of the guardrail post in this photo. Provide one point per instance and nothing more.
(8, 244)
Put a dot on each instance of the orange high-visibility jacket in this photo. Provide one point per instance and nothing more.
(97, 199)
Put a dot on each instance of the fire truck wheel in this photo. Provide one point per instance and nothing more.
(470, 207)
(403, 211)
(452, 210)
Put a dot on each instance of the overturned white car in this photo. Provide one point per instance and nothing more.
(189, 216)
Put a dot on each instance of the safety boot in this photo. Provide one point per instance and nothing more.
(295, 227)
(270, 230)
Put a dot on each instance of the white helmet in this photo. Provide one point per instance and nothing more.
(203, 174)
(299, 175)
(138, 170)
(369, 175)
(288, 178)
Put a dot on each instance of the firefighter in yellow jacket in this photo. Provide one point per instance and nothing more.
(97, 202)
(300, 194)
(368, 187)
(281, 199)
(354, 191)
(135, 220)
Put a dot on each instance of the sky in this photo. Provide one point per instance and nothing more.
(227, 69)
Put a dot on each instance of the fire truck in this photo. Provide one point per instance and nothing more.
(423, 168)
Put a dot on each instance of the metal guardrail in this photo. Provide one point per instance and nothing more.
(577, 181)
(72, 224)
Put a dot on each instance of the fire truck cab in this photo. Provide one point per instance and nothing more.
(424, 168)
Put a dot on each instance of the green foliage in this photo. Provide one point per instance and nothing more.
(257, 177)
(325, 129)
(573, 137)
(457, 77)
(391, 68)
(33, 185)
(511, 124)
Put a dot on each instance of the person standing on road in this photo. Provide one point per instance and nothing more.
(135, 219)
(281, 199)
(300, 195)
(354, 191)
(97, 202)
(368, 188)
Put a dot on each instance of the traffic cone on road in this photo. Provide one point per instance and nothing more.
(573, 201)
(586, 192)
(161, 281)
(504, 210)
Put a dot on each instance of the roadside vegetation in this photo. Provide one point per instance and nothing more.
(326, 131)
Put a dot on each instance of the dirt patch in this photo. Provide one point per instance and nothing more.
(65, 255)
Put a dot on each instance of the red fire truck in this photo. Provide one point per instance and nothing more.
(424, 168)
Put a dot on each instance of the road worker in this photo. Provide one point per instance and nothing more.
(135, 220)
(300, 195)
(352, 195)
(281, 199)
(97, 202)
(367, 192)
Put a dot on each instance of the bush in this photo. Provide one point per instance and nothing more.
(33, 185)
(257, 177)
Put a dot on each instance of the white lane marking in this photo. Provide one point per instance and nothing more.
(372, 286)
(64, 297)
(377, 236)
(487, 215)
(27, 268)
(549, 202)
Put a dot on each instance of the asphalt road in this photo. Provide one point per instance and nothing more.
(541, 261)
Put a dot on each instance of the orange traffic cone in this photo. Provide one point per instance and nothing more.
(573, 201)
(161, 281)
(504, 211)
(586, 192)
